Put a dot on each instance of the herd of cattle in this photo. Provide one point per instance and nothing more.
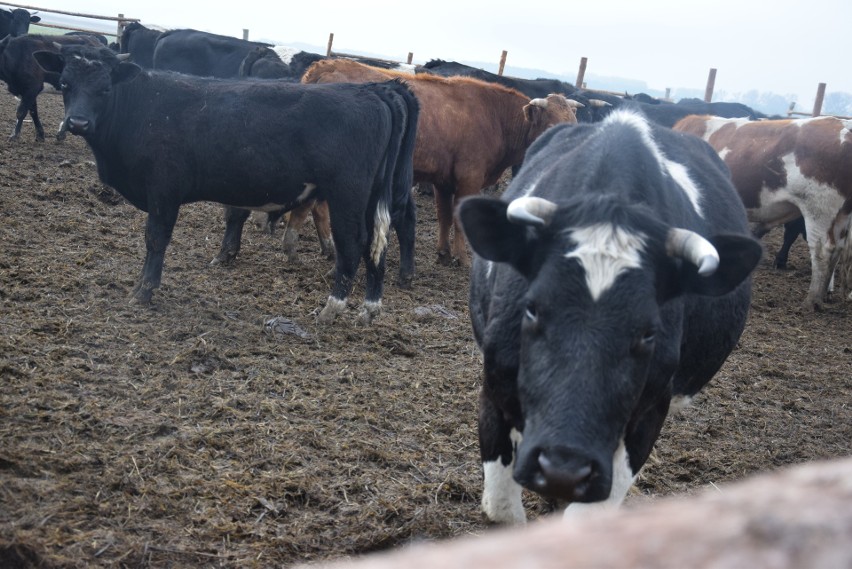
(609, 282)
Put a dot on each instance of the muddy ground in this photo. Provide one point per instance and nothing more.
(184, 435)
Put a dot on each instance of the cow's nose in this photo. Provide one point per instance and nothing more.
(78, 125)
(566, 474)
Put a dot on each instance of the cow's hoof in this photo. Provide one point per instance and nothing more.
(444, 258)
(405, 281)
(369, 312)
(223, 258)
(333, 308)
(141, 296)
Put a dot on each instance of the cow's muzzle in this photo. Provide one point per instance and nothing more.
(77, 125)
(564, 473)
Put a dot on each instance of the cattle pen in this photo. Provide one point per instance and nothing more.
(120, 20)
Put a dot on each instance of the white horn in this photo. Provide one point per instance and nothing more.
(575, 104)
(538, 102)
(599, 103)
(531, 210)
(122, 56)
(693, 248)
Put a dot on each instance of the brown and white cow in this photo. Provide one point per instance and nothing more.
(786, 168)
(469, 132)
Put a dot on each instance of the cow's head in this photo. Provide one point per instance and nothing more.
(542, 114)
(599, 320)
(87, 76)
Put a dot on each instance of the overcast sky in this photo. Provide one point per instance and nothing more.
(784, 46)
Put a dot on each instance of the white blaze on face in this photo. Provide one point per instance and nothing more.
(285, 53)
(605, 251)
(677, 171)
(501, 495)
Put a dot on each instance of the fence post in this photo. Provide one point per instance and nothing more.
(410, 57)
(819, 98)
(711, 84)
(668, 93)
(245, 34)
(502, 62)
(330, 41)
(581, 74)
(120, 28)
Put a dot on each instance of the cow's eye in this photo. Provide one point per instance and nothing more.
(644, 343)
(64, 86)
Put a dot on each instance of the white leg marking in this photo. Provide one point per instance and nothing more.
(501, 495)
(369, 311)
(309, 189)
(680, 402)
(622, 480)
(333, 307)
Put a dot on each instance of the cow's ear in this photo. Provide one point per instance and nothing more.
(738, 257)
(50, 61)
(35, 19)
(124, 71)
(490, 233)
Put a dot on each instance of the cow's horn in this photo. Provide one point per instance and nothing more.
(599, 103)
(531, 210)
(122, 56)
(575, 104)
(693, 248)
(539, 102)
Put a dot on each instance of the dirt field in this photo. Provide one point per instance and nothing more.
(184, 435)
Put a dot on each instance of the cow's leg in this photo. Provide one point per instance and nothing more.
(235, 219)
(25, 104)
(374, 260)
(501, 495)
(349, 231)
(444, 210)
(405, 225)
(295, 221)
(823, 258)
(272, 219)
(158, 233)
(792, 230)
(322, 224)
(468, 186)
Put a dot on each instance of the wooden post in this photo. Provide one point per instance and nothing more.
(330, 41)
(819, 98)
(790, 108)
(668, 93)
(410, 57)
(711, 84)
(502, 62)
(120, 30)
(245, 34)
(581, 73)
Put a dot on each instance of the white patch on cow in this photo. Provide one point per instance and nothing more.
(489, 267)
(332, 309)
(605, 251)
(501, 495)
(380, 233)
(622, 479)
(680, 402)
(285, 53)
(405, 68)
(844, 132)
(369, 311)
(676, 170)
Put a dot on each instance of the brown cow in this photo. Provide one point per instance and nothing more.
(786, 168)
(468, 133)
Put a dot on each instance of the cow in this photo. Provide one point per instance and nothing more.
(792, 231)
(164, 139)
(470, 131)
(25, 79)
(139, 42)
(612, 276)
(668, 115)
(788, 168)
(201, 53)
(16, 22)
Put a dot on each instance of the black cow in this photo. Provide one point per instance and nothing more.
(201, 53)
(792, 231)
(99, 37)
(263, 63)
(165, 139)
(139, 42)
(25, 79)
(16, 22)
(612, 276)
(668, 115)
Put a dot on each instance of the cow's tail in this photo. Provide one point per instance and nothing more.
(398, 169)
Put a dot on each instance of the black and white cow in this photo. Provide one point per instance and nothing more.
(612, 276)
(165, 139)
